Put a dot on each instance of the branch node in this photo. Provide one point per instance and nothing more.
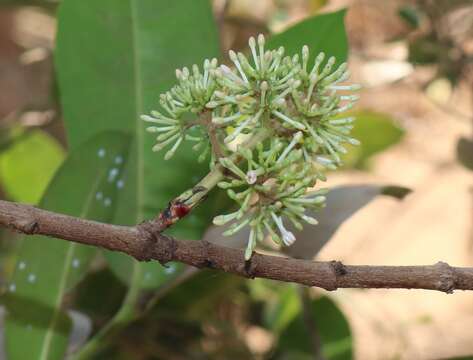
(446, 282)
(338, 270)
(30, 227)
(155, 245)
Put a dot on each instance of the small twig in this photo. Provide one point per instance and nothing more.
(144, 245)
(188, 200)
(214, 141)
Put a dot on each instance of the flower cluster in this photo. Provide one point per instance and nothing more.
(295, 103)
(191, 95)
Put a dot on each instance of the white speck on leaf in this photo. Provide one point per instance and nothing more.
(12, 287)
(101, 152)
(118, 159)
(170, 269)
(21, 265)
(75, 263)
(31, 278)
(120, 184)
(107, 202)
(112, 174)
(99, 195)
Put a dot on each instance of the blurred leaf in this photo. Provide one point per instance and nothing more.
(99, 294)
(195, 299)
(316, 5)
(332, 329)
(280, 313)
(49, 5)
(122, 68)
(465, 152)
(410, 15)
(321, 33)
(47, 268)
(425, 50)
(397, 192)
(28, 164)
(342, 203)
(376, 132)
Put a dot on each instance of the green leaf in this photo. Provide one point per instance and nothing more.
(33, 154)
(411, 15)
(331, 326)
(426, 50)
(321, 33)
(128, 54)
(281, 312)
(85, 186)
(196, 298)
(376, 132)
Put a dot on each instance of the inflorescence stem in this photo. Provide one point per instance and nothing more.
(189, 199)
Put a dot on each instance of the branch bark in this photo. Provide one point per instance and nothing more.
(145, 242)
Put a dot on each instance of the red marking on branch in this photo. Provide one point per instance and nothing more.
(180, 210)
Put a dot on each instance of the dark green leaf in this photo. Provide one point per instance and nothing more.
(85, 186)
(398, 192)
(128, 54)
(331, 326)
(321, 33)
(465, 152)
(426, 50)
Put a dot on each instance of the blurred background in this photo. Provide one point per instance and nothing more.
(414, 60)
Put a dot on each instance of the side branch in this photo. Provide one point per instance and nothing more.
(145, 244)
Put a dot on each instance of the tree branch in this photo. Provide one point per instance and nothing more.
(144, 243)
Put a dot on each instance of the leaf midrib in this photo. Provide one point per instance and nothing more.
(138, 108)
(133, 290)
(63, 282)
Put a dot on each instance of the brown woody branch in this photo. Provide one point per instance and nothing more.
(145, 242)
